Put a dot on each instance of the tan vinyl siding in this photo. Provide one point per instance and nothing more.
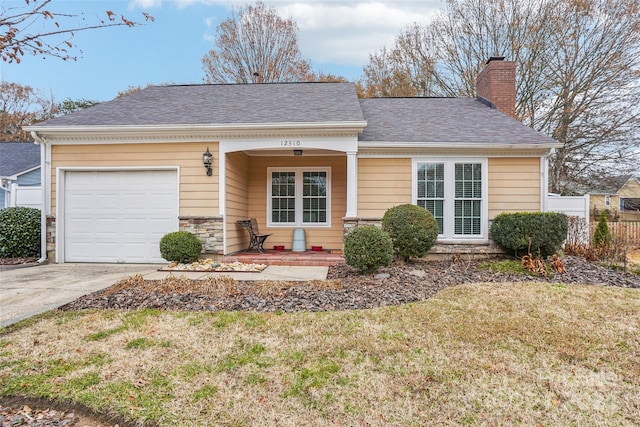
(631, 189)
(382, 184)
(198, 192)
(514, 185)
(237, 185)
(597, 203)
(327, 237)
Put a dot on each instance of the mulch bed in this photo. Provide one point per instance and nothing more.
(344, 289)
(18, 261)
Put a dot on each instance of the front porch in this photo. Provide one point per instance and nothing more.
(298, 179)
(440, 252)
(271, 257)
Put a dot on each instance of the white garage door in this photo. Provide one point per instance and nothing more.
(118, 216)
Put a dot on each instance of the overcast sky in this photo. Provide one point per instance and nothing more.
(336, 36)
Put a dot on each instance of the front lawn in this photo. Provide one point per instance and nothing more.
(486, 354)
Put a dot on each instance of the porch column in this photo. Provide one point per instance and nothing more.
(352, 184)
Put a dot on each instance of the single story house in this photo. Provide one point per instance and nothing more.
(19, 175)
(309, 156)
(621, 198)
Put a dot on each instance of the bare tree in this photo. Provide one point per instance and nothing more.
(320, 76)
(22, 105)
(34, 28)
(592, 107)
(577, 61)
(19, 106)
(387, 78)
(255, 45)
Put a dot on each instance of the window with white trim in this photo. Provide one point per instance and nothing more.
(607, 200)
(431, 190)
(468, 199)
(299, 197)
(454, 191)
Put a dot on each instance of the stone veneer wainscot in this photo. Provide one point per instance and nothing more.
(209, 229)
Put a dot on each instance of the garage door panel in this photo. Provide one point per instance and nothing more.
(100, 252)
(80, 224)
(103, 225)
(109, 202)
(136, 201)
(133, 250)
(134, 229)
(118, 216)
(81, 201)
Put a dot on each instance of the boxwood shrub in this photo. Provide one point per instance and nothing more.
(522, 232)
(412, 228)
(368, 248)
(180, 246)
(19, 232)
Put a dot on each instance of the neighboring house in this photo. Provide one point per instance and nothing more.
(20, 175)
(621, 199)
(309, 156)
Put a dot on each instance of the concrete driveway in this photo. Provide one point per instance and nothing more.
(27, 291)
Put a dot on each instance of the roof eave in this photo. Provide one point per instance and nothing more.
(221, 129)
(460, 145)
(15, 176)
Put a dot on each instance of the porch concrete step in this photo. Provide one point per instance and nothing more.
(308, 258)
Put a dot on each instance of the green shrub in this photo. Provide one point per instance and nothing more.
(180, 246)
(525, 232)
(367, 248)
(602, 235)
(19, 232)
(413, 230)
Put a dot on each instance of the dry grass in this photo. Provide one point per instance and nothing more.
(490, 354)
(217, 286)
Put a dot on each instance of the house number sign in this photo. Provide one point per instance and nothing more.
(290, 143)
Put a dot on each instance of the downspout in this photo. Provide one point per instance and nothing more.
(545, 180)
(42, 141)
(4, 186)
(222, 191)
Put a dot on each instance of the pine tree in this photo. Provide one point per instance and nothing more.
(602, 235)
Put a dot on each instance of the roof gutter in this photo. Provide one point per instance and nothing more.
(204, 128)
(42, 141)
(457, 145)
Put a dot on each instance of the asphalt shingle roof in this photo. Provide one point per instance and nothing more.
(612, 185)
(442, 120)
(16, 157)
(427, 120)
(223, 104)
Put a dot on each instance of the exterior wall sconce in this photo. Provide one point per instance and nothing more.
(297, 152)
(207, 157)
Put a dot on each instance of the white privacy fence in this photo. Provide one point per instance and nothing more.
(577, 209)
(30, 197)
(569, 205)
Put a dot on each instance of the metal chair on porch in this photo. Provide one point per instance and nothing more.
(256, 240)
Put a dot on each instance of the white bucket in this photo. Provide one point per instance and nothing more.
(299, 244)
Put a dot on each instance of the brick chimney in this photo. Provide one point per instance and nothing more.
(496, 83)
